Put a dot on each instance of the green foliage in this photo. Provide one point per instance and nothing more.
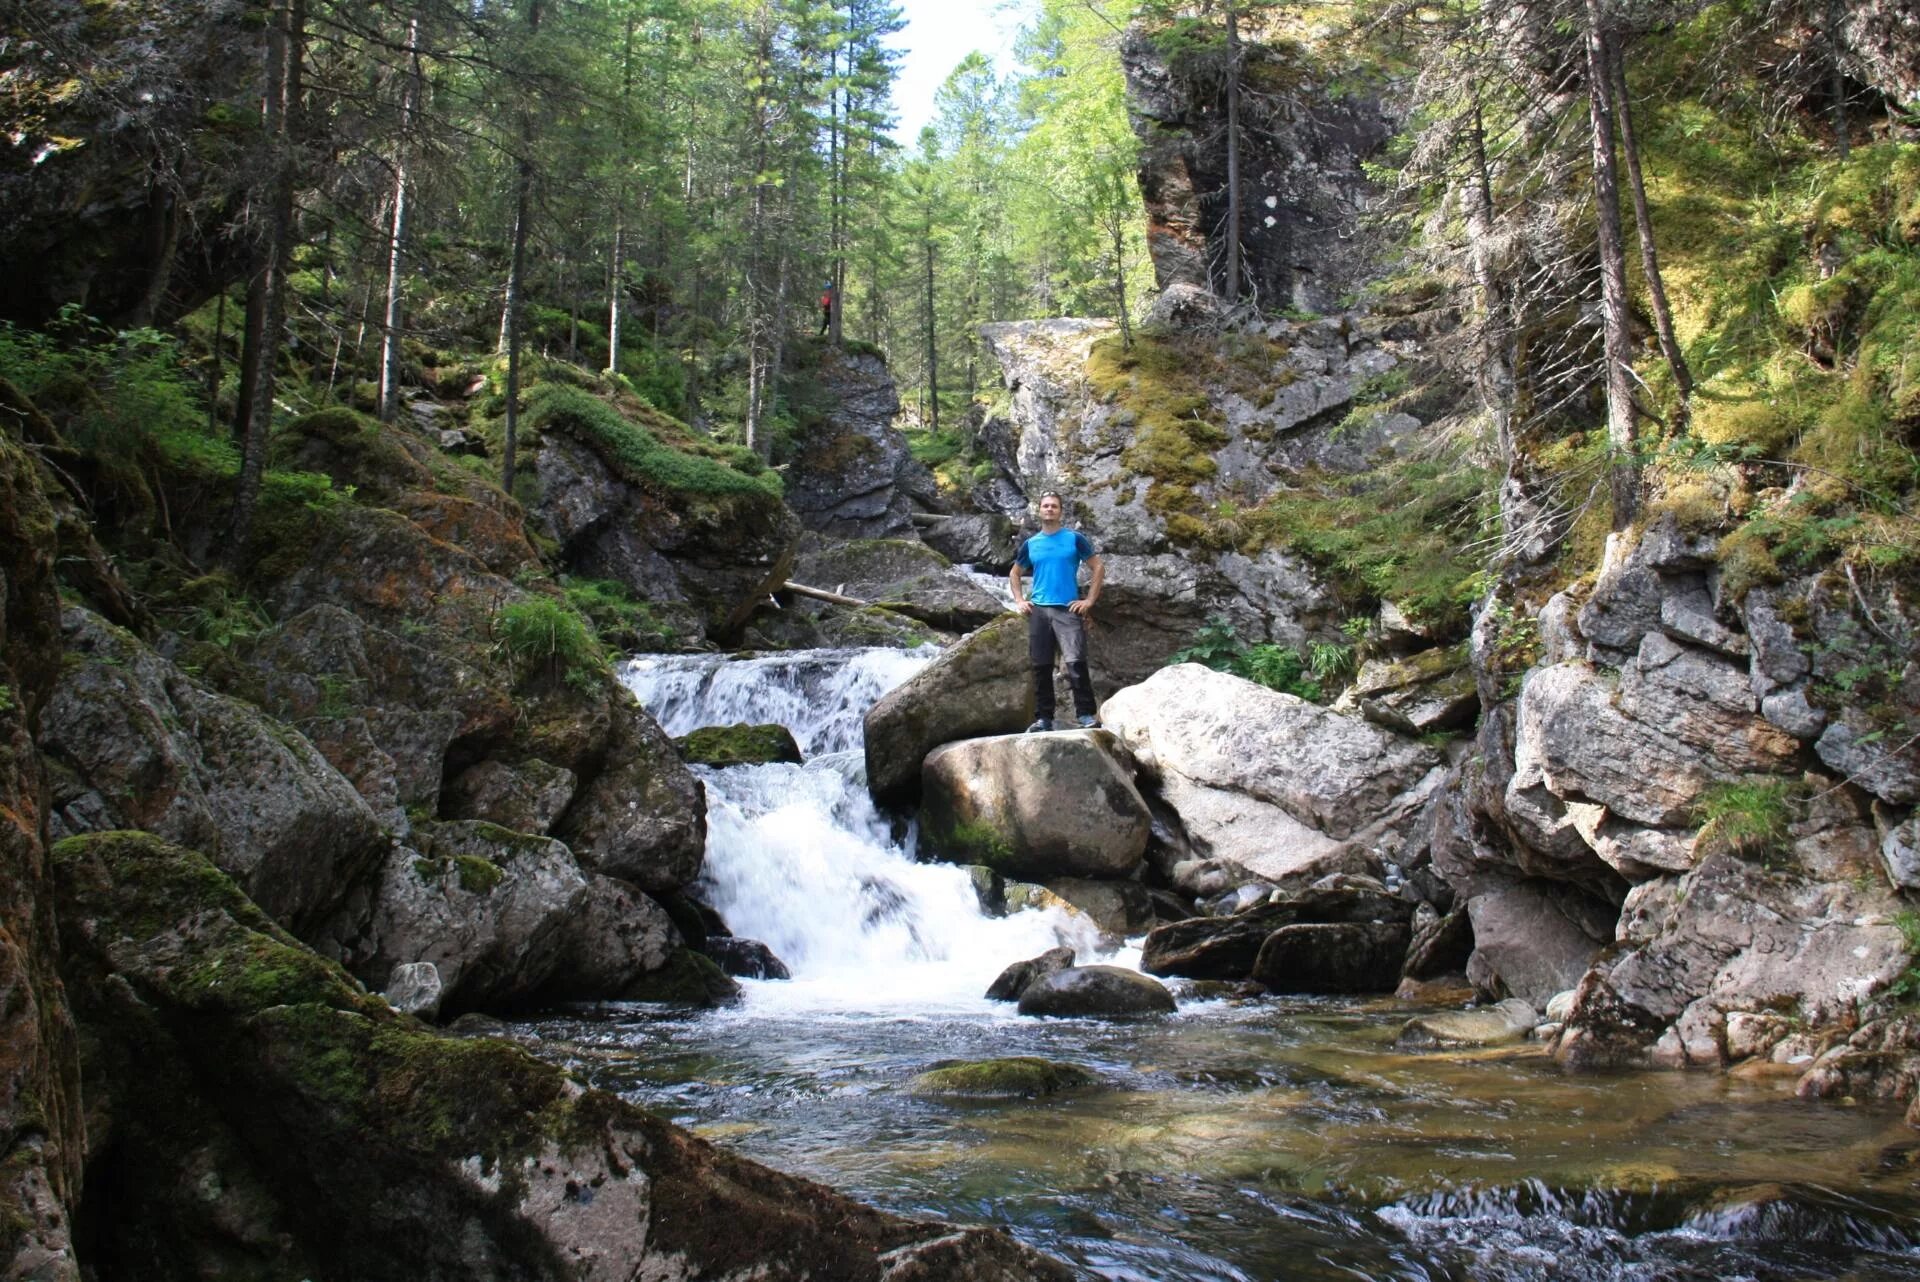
(7, 701)
(1906, 989)
(213, 608)
(125, 399)
(1750, 818)
(1218, 645)
(542, 633)
(638, 451)
(621, 621)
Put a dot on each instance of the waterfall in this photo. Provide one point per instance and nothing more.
(799, 858)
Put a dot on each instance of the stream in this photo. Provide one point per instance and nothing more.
(1244, 1140)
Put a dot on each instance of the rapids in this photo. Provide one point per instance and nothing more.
(1236, 1140)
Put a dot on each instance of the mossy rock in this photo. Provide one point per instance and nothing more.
(1018, 1077)
(738, 745)
(688, 979)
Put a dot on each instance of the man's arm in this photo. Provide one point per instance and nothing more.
(1018, 589)
(1085, 604)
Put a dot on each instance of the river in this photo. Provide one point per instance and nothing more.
(1244, 1140)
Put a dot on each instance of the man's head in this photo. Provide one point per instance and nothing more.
(1051, 509)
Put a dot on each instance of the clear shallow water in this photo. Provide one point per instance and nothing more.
(1264, 1140)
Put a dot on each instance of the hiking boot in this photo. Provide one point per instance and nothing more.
(1089, 721)
(1040, 725)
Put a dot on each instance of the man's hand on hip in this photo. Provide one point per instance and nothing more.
(1082, 606)
(1023, 607)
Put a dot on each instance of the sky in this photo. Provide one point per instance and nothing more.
(938, 35)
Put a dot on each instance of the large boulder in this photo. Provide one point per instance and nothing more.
(1333, 957)
(386, 710)
(982, 686)
(643, 816)
(138, 744)
(1034, 806)
(703, 562)
(1227, 947)
(1531, 940)
(1263, 780)
(494, 912)
(853, 475)
(1103, 991)
(224, 1056)
(618, 935)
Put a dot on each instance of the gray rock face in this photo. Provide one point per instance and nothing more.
(854, 476)
(382, 708)
(137, 744)
(1102, 991)
(414, 988)
(1427, 692)
(986, 542)
(1228, 947)
(1035, 806)
(1345, 957)
(617, 936)
(643, 818)
(981, 686)
(490, 909)
(1263, 780)
(1527, 944)
(1300, 174)
(526, 796)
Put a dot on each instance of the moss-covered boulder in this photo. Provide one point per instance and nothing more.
(628, 496)
(982, 686)
(258, 1115)
(138, 744)
(1022, 1076)
(737, 745)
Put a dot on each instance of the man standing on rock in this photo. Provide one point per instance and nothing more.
(1056, 612)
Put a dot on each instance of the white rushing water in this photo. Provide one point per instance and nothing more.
(799, 858)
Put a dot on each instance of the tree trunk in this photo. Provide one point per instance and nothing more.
(1837, 78)
(1649, 258)
(933, 363)
(516, 280)
(1233, 155)
(283, 55)
(253, 332)
(397, 235)
(1617, 352)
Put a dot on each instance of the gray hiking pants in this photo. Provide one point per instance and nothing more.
(1051, 630)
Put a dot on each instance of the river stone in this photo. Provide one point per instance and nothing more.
(139, 744)
(745, 958)
(1345, 957)
(1121, 909)
(739, 744)
(1038, 806)
(1229, 947)
(1097, 991)
(493, 910)
(414, 988)
(643, 818)
(1509, 1021)
(1020, 1077)
(1441, 943)
(1014, 979)
(982, 686)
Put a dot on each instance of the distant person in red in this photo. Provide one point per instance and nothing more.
(826, 309)
(1056, 611)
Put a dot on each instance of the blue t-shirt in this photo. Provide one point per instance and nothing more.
(1054, 562)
